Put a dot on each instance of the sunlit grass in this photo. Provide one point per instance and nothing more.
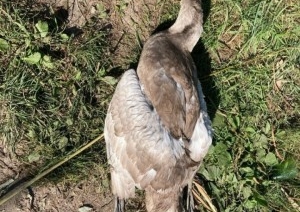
(255, 61)
(54, 92)
(54, 89)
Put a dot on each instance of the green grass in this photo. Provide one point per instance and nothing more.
(54, 91)
(255, 51)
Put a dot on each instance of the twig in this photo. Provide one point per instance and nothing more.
(18, 189)
(198, 197)
(293, 203)
(205, 195)
(275, 146)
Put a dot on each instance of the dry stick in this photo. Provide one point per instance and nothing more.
(275, 146)
(205, 195)
(198, 197)
(291, 201)
(18, 189)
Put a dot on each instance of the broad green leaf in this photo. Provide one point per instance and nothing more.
(31, 134)
(64, 37)
(250, 204)
(250, 129)
(78, 75)
(109, 80)
(207, 175)
(261, 141)
(214, 172)
(247, 192)
(101, 72)
(219, 121)
(286, 170)
(33, 58)
(223, 157)
(247, 171)
(3, 45)
(260, 199)
(42, 27)
(27, 42)
(232, 122)
(270, 159)
(267, 128)
(47, 62)
(33, 157)
(260, 155)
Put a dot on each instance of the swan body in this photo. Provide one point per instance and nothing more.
(157, 130)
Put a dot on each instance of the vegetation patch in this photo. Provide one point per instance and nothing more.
(254, 48)
(55, 86)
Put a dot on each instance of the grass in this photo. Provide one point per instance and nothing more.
(255, 51)
(55, 87)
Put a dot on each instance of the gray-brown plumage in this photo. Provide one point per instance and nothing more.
(157, 130)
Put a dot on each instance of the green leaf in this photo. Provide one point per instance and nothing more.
(78, 75)
(31, 134)
(101, 10)
(64, 37)
(33, 157)
(250, 130)
(232, 123)
(250, 204)
(286, 170)
(211, 173)
(63, 141)
(260, 199)
(223, 157)
(69, 122)
(42, 27)
(261, 141)
(247, 171)
(247, 192)
(270, 159)
(47, 62)
(109, 80)
(33, 58)
(219, 121)
(101, 73)
(3, 45)
(267, 128)
(27, 42)
(260, 155)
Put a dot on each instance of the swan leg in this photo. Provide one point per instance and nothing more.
(119, 205)
(190, 198)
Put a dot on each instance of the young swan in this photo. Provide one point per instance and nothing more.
(157, 130)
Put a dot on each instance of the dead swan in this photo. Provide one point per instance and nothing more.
(157, 130)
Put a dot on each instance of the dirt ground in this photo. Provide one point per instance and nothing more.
(87, 195)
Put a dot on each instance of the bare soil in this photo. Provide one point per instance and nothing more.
(138, 18)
